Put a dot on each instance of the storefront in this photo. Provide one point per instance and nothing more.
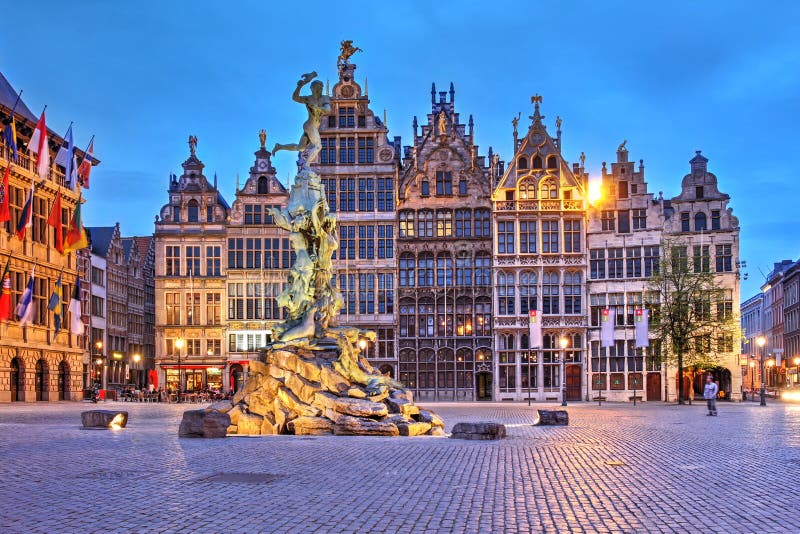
(194, 377)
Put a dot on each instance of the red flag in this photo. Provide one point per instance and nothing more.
(5, 211)
(54, 220)
(39, 146)
(86, 166)
(76, 233)
(5, 293)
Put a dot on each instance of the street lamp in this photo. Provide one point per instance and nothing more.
(563, 342)
(797, 368)
(136, 359)
(179, 346)
(99, 361)
(761, 341)
(752, 378)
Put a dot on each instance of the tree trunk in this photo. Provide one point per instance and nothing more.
(680, 377)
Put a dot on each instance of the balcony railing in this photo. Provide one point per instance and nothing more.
(28, 163)
(539, 205)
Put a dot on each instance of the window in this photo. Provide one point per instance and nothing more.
(463, 223)
(506, 293)
(192, 308)
(193, 261)
(444, 223)
(212, 261)
(639, 219)
(527, 237)
(252, 214)
(366, 194)
(98, 307)
(444, 270)
(385, 241)
(263, 185)
(385, 293)
(253, 253)
(522, 163)
(598, 304)
(347, 194)
(366, 150)
(173, 263)
(482, 223)
(214, 347)
(622, 189)
(193, 211)
(406, 224)
(550, 237)
(680, 259)
(550, 292)
(482, 269)
(624, 221)
(463, 317)
(236, 301)
(347, 117)
(328, 154)
(463, 270)
(651, 259)
(527, 190)
(366, 242)
(528, 292)
(98, 276)
(505, 237)
(444, 183)
(700, 222)
(701, 258)
(407, 320)
(724, 257)
(213, 308)
(425, 223)
(366, 293)
(572, 292)
(176, 213)
(173, 304)
(715, 220)
(633, 262)
(725, 305)
(684, 221)
(536, 162)
(462, 188)
(572, 235)
(615, 263)
(425, 318)
(597, 263)
(698, 191)
(425, 189)
(347, 242)
(444, 317)
(385, 194)
(552, 162)
(347, 285)
(406, 270)
(347, 150)
(39, 220)
(607, 220)
(236, 253)
(425, 269)
(209, 213)
(362, 121)
(547, 189)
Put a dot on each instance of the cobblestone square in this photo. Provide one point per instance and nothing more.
(616, 468)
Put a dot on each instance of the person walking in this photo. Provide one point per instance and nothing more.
(710, 394)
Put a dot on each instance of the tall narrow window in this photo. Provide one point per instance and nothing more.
(193, 211)
(173, 263)
(444, 183)
(550, 293)
(684, 221)
(528, 292)
(444, 223)
(406, 224)
(506, 293)
(572, 292)
(527, 237)
(572, 235)
(700, 222)
(624, 221)
(550, 237)
(505, 237)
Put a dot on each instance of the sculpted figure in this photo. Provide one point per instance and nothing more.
(347, 50)
(262, 138)
(192, 144)
(515, 122)
(442, 123)
(621, 146)
(317, 105)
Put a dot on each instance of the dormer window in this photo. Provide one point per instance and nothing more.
(537, 162)
(193, 211)
(622, 192)
(552, 162)
(698, 191)
(700, 222)
(263, 185)
(522, 163)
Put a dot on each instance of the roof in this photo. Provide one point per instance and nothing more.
(101, 237)
(8, 96)
(127, 247)
(222, 200)
(143, 244)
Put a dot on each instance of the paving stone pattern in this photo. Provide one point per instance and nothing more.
(616, 468)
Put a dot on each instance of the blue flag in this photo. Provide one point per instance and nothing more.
(25, 306)
(65, 159)
(55, 304)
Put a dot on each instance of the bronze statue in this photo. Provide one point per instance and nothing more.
(442, 123)
(317, 105)
(347, 50)
(192, 144)
(515, 122)
(262, 138)
(621, 147)
(558, 122)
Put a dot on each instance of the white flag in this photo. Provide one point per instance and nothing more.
(76, 322)
(641, 319)
(535, 326)
(607, 317)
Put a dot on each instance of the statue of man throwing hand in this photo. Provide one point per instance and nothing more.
(317, 105)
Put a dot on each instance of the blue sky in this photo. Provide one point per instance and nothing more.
(722, 77)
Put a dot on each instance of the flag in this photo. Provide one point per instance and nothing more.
(55, 304)
(86, 166)
(76, 234)
(39, 146)
(24, 309)
(607, 316)
(641, 320)
(5, 293)
(535, 327)
(5, 201)
(25, 216)
(54, 220)
(10, 137)
(76, 321)
(65, 159)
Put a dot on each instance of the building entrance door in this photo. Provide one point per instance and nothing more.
(483, 386)
(573, 384)
(654, 386)
(16, 379)
(237, 377)
(63, 381)
(40, 380)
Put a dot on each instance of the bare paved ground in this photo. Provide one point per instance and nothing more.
(616, 468)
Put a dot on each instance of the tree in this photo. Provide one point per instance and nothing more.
(691, 313)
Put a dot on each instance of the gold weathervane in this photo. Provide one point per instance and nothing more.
(536, 99)
(347, 50)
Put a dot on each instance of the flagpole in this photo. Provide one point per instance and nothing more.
(85, 154)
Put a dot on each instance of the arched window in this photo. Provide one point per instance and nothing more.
(481, 227)
(528, 292)
(522, 163)
(550, 292)
(548, 189)
(425, 318)
(408, 318)
(406, 224)
(425, 223)
(263, 185)
(462, 187)
(506, 293)
(552, 162)
(507, 342)
(425, 188)
(193, 211)
(572, 292)
(464, 316)
(406, 270)
(700, 222)
(425, 269)
(463, 223)
(483, 317)
(444, 223)
(527, 190)
(537, 162)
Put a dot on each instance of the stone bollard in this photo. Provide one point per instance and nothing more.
(482, 430)
(104, 419)
(551, 418)
(204, 424)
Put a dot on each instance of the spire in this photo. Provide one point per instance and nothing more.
(415, 125)
(471, 124)
(452, 93)
(237, 182)
(433, 92)
(215, 179)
